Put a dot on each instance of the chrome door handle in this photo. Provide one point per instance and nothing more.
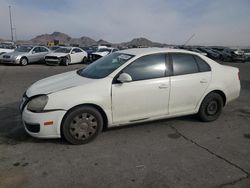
(163, 86)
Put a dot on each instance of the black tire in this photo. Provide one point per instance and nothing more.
(24, 61)
(81, 125)
(211, 107)
(85, 60)
(65, 61)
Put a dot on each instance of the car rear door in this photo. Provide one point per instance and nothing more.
(43, 53)
(147, 95)
(191, 77)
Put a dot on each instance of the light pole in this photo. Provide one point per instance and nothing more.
(11, 28)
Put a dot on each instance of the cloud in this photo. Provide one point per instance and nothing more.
(224, 22)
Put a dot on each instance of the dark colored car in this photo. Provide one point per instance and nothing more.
(210, 53)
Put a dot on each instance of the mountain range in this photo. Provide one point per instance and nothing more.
(87, 41)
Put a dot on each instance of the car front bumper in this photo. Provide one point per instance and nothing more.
(10, 61)
(36, 124)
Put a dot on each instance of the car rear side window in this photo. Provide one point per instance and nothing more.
(203, 66)
(147, 67)
(184, 64)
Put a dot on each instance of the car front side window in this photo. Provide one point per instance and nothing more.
(147, 67)
(36, 50)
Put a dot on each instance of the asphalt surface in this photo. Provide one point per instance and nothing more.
(178, 152)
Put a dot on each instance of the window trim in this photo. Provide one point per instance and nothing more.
(167, 64)
(198, 63)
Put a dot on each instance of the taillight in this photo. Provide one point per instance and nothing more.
(239, 75)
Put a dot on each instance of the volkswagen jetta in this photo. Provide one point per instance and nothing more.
(125, 87)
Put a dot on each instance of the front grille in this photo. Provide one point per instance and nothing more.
(6, 56)
(34, 128)
(51, 57)
(52, 62)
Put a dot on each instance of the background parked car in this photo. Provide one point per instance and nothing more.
(54, 48)
(223, 55)
(66, 56)
(102, 52)
(210, 53)
(197, 51)
(6, 48)
(247, 54)
(25, 54)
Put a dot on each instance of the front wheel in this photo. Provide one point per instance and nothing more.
(81, 125)
(211, 107)
(24, 61)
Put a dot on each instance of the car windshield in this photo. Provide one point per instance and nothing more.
(105, 66)
(63, 50)
(23, 48)
(104, 50)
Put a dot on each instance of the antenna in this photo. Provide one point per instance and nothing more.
(188, 39)
(11, 27)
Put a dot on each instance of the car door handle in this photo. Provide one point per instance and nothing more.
(163, 86)
(203, 81)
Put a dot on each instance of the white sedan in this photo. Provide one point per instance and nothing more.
(66, 56)
(125, 87)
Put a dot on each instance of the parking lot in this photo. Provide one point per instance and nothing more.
(178, 152)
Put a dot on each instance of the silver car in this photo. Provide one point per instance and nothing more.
(25, 54)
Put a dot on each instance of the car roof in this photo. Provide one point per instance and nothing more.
(145, 51)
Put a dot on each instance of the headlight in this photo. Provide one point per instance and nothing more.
(38, 103)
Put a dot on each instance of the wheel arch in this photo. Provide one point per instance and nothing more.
(24, 57)
(104, 115)
(221, 93)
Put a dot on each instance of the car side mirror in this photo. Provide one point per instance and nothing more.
(124, 77)
(33, 52)
(73, 52)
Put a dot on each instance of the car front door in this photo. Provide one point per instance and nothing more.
(191, 77)
(147, 95)
(74, 56)
(34, 56)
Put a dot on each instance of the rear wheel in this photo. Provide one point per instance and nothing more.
(211, 107)
(82, 125)
(24, 61)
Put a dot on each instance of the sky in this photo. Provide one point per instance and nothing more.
(213, 22)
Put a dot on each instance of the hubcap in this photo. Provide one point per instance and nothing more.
(24, 61)
(212, 108)
(83, 126)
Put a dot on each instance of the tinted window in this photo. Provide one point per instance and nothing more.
(147, 67)
(184, 64)
(43, 49)
(77, 50)
(37, 50)
(203, 66)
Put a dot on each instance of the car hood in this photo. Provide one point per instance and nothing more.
(57, 54)
(15, 54)
(57, 83)
(101, 53)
